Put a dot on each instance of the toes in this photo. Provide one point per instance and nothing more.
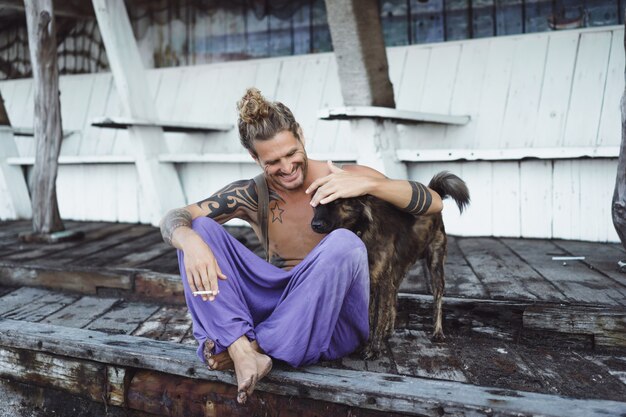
(241, 397)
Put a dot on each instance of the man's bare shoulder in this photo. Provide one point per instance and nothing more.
(238, 199)
(362, 169)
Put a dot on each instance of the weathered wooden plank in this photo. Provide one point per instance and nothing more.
(133, 244)
(161, 394)
(147, 254)
(615, 365)
(123, 318)
(94, 232)
(167, 288)
(10, 229)
(33, 304)
(82, 281)
(461, 281)
(168, 323)
(602, 257)
(166, 263)
(75, 376)
(109, 242)
(415, 355)
(607, 325)
(504, 274)
(575, 280)
(82, 312)
(362, 389)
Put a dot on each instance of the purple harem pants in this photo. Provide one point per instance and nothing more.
(316, 311)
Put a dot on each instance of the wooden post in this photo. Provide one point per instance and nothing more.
(360, 51)
(160, 185)
(12, 181)
(47, 125)
(619, 195)
(363, 71)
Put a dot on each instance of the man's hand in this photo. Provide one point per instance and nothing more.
(201, 266)
(339, 184)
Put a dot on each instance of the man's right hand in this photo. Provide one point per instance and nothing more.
(200, 264)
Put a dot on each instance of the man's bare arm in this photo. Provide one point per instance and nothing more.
(172, 220)
(356, 180)
(237, 200)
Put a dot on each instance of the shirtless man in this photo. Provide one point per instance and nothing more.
(311, 303)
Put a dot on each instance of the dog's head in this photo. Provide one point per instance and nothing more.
(347, 213)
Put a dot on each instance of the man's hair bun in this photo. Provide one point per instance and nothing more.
(253, 107)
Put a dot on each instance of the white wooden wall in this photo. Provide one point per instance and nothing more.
(554, 96)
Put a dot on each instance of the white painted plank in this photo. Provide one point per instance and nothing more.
(106, 137)
(467, 94)
(411, 91)
(583, 116)
(610, 121)
(267, 75)
(565, 203)
(395, 59)
(96, 106)
(524, 92)
(505, 201)
(128, 192)
(306, 108)
(326, 131)
(495, 90)
(75, 92)
(556, 90)
(477, 220)
(535, 205)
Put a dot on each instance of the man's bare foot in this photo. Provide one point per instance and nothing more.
(250, 367)
(222, 361)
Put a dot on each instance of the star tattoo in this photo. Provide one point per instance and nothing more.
(277, 213)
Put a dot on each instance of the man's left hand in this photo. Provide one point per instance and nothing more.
(338, 184)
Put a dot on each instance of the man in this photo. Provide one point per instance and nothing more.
(311, 301)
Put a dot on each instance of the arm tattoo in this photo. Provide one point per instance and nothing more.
(173, 220)
(239, 194)
(420, 199)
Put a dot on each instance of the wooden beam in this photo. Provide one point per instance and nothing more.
(363, 71)
(365, 390)
(47, 125)
(179, 127)
(618, 206)
(399, 116)
(511, 154)
(75, 9)
(359, 47)
(160, 185)
(16, 204)
(608, 326)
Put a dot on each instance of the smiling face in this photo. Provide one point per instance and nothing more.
(283, 160)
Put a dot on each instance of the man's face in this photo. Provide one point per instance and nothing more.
(283, 160)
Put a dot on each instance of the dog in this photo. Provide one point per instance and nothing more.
(395, 240)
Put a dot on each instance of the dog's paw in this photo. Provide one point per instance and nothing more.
(370, 352)
(438, 337)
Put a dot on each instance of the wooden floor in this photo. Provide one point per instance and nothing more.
(525, 333)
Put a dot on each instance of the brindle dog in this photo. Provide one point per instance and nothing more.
(395, 240)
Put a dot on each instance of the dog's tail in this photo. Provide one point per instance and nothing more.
(447, 184)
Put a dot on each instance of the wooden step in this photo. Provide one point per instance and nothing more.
(47, 354)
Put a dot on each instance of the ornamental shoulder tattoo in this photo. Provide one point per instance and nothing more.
(237, 196)
(420, 199)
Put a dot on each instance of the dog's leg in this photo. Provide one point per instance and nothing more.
(436, 261)
(372, 349)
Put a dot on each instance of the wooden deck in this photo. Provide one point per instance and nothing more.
(104, 318)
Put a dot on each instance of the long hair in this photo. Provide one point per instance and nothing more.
(260, 119)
